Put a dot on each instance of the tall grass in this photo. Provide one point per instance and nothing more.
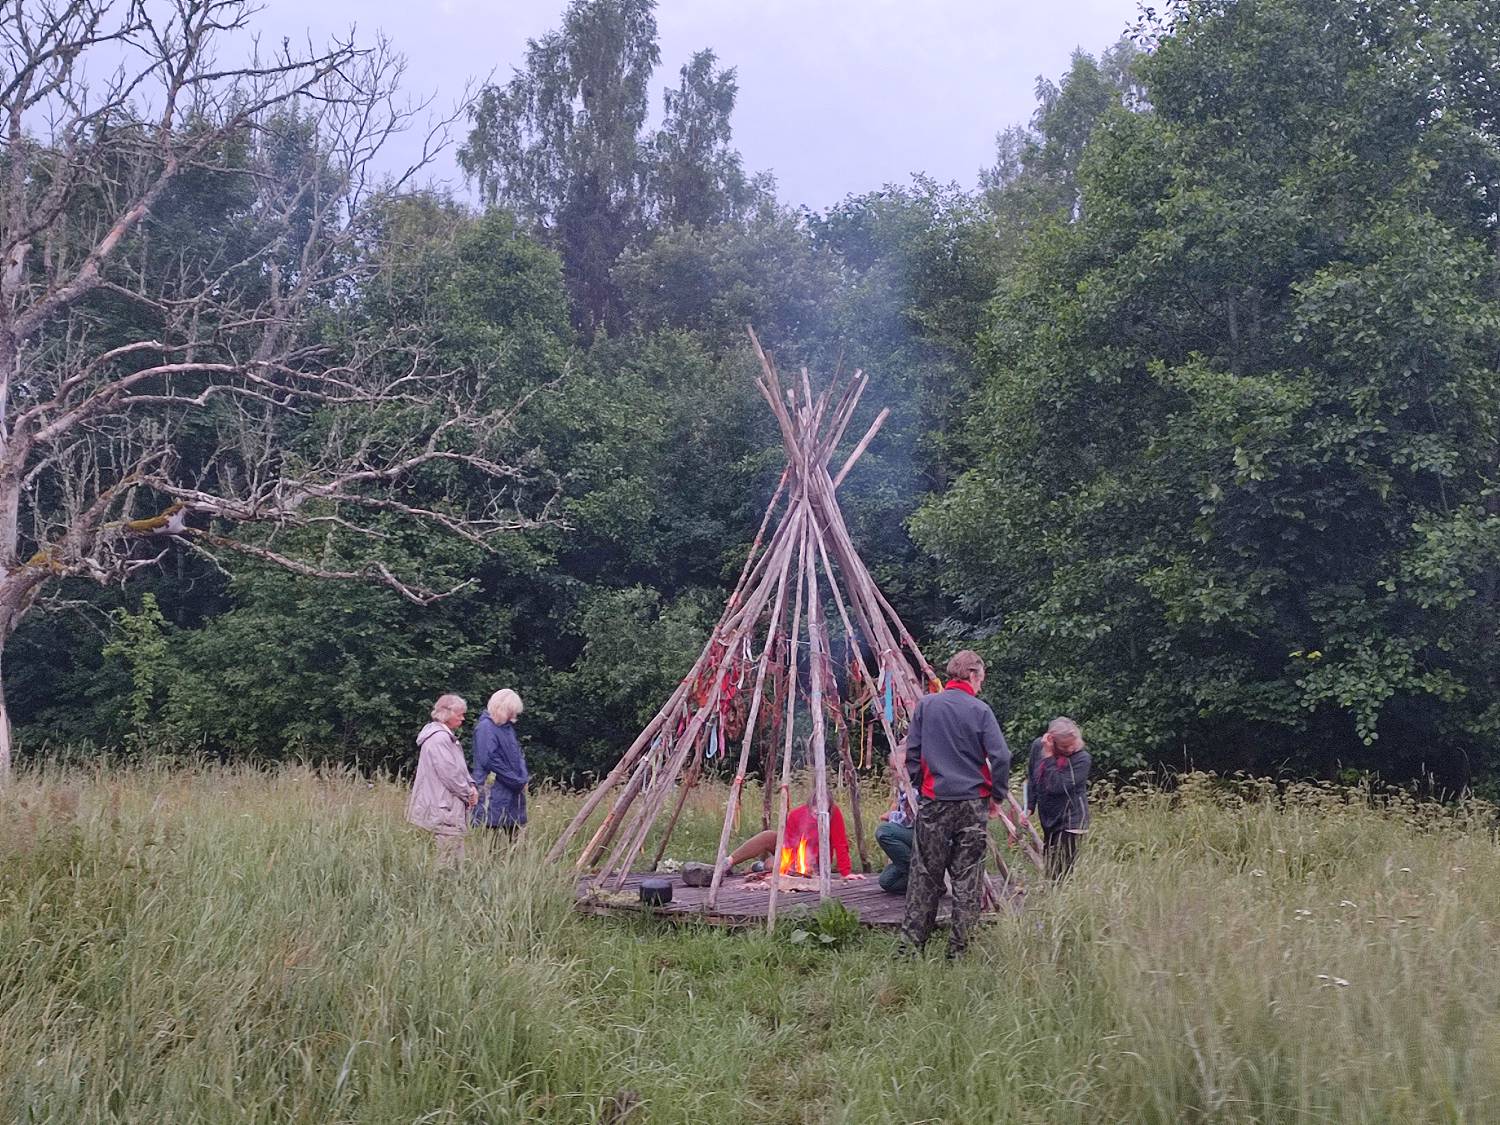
(220, 946)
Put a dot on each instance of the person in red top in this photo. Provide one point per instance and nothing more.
(801, 828)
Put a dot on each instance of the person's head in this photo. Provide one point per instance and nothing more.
(1064, 736)
(967, 666)
(809, 789)
(450, 710)
(504, 706)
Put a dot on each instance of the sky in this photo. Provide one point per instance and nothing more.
(836, 97)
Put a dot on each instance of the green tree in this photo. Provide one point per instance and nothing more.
(695, 177)
(560, 143)
(1035, 174)
(1240, 422)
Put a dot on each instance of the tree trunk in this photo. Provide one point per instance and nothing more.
(4, 720)
(17, 589)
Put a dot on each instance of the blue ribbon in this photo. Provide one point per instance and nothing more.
(890, 700)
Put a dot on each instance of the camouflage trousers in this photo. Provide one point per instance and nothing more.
(951, 840)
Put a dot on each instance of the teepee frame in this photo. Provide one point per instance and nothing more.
(808, 560)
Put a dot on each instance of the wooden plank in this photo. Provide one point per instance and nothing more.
(741, 904)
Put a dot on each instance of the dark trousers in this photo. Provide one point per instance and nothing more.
(951, 840)
(896, 841)
(1060, 850)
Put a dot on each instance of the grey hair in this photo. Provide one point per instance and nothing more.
(447, 706)
(504, 706)
(1064, 725)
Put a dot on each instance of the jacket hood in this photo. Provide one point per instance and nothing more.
(429, 728)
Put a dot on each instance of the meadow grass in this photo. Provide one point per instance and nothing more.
(226, 946)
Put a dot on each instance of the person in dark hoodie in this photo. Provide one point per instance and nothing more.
(959, 764)
(497, 751)
(1057, 775)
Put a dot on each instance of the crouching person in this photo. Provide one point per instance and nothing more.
(959, 763)
(1057, 775)
(895, 834)
(441, 793)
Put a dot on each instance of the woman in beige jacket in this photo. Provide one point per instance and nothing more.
(442, 792)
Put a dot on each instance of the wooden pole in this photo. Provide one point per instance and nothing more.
(628, 759)
(605, 834)
(786, 754)
(819, 725)
(689, 780)
(656, 795)
(738, 784)
(903, 785)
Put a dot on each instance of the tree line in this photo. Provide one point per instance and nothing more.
(1194, 401)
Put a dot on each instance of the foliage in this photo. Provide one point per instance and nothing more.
(1192, 408)
(563, 144)
(833, 924)
(139, 641)
(1235, 500)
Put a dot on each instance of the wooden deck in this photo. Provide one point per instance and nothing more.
(744, 903)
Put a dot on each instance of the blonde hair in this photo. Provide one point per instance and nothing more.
(447, 706)
(504, 706)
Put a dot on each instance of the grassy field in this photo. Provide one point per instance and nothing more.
(221, 947)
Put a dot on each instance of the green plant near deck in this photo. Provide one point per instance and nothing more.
(832, 924)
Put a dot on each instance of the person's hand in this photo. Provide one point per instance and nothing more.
(473, 796)
(1024, 820)
(854, 875)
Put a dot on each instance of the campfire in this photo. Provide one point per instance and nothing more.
(794, 862)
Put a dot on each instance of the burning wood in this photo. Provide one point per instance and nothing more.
(795, 861)
(789, 883)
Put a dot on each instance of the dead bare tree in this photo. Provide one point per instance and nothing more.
(217, 391)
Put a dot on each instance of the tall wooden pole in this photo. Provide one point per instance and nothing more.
(738, 784)
(786, 753)
(819, 723)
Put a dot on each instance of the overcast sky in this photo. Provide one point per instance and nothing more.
(836, 96)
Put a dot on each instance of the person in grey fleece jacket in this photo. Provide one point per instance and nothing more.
(959, 764)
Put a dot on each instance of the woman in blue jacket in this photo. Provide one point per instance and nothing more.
(497, 751)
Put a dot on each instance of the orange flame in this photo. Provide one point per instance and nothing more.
(795, 863)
